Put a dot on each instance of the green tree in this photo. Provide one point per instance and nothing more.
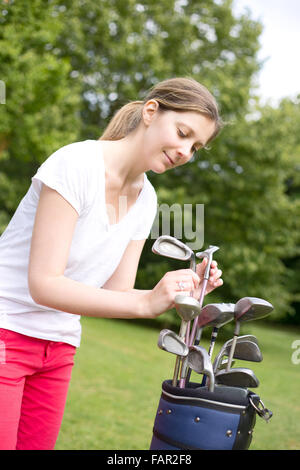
(280, 143)
(42, 98)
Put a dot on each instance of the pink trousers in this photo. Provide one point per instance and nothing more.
(34, 380)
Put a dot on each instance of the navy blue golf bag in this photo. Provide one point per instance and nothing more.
(196, 419)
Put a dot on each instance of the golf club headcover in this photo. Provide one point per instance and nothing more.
(196, 419)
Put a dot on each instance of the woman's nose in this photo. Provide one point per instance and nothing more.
(185, 152)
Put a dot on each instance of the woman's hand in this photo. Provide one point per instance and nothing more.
(183, 281)
(214, 277)
(161, 297)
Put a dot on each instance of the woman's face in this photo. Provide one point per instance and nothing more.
(171, 138)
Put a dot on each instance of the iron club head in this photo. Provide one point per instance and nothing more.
(199, 360)
(172, 343)
(245, 350)
(238, 377)
(170, 247)
(246, 309)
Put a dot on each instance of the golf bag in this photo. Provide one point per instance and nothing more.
(196, 419)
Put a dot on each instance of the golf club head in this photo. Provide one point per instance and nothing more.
(216, 315)
(252, 308)
(247, 351)
(223, 365)
(238, 377)
(168, 246)
(208, 253)
(172, 343)
(199, 361)
(228, 343)
(244, 351)
(251, 352)
(187, 307)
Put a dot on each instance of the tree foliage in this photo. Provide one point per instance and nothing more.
(68, 65)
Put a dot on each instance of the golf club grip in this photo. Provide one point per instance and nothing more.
(209, 260)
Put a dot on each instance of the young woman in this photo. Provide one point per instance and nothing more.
(73, 246)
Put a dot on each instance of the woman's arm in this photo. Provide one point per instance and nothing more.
(123, 278)
(51, 240)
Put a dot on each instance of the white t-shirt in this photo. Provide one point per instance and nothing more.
(77, 172)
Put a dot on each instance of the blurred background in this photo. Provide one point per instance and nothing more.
(67, 66)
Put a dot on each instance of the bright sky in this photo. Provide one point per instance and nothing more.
(280, 40)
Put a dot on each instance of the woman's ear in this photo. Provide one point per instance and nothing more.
(150, 110)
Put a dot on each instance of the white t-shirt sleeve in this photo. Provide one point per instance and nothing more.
(65, 171)
(146, 221)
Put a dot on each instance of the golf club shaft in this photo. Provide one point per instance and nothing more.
(234, 340)
(214, 335)
(196, 342)
(176, 371)
(211, 348)
(182, 378)
(185, 379)
(187, 335)
(182, 333)
(201, 298)
(194, 329)
(193, 268)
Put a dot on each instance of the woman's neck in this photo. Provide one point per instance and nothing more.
(123, 159)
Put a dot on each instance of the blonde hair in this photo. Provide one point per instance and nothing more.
(175, 94)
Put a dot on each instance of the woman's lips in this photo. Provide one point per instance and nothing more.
(169, 159)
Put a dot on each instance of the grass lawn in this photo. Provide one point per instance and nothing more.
(116, 386)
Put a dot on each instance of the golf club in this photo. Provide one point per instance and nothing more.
(172, 343)
(247, 309)
(245, 350)
(208, 253)
(215, 315)
(238, 377)
(223, 365)
(225, 315)
(199, 360)
(187, 308)
(168, 246)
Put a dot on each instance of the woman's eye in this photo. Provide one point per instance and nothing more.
(182, 134)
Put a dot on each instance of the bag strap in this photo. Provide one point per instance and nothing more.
(259, 407)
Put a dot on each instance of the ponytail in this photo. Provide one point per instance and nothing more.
(124, 121)
(175, 94)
